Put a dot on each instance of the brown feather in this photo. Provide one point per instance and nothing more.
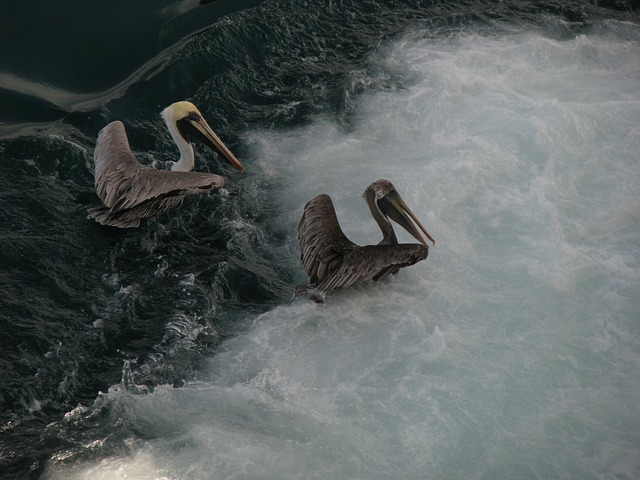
(131, 191)
(333, 261)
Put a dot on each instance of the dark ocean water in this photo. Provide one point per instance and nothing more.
(84, 307)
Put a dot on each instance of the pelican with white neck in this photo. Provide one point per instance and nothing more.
(186, 123)
(131, 191)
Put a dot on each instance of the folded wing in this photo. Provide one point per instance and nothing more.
(122, 182)
(333, 261)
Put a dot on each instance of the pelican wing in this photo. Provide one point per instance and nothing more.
(322, 242)
(115, 165)
(372, 262)
(122, 182)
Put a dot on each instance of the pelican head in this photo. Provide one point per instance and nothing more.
(186, 124)
(385, 202)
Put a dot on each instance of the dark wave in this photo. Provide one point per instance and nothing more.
(80, 300)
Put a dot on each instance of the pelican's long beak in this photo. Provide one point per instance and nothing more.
(198, 129)
(395, 207)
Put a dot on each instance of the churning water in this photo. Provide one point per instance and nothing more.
(513, 351)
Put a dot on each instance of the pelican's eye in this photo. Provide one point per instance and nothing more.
(194, 117)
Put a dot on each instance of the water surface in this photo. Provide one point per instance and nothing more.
(176, 350)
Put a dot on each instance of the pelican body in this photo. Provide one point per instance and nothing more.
(333, 261)
(131, 191)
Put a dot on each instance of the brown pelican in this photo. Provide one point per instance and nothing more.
(131, 191)
(333, 261)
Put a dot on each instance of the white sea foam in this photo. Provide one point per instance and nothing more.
(511, 352)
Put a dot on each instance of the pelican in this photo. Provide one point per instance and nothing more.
(333, 261)
(131, 191)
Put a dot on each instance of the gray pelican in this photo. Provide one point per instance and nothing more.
(131, 191)
(333, 261)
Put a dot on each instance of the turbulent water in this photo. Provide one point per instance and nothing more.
(176, 350)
